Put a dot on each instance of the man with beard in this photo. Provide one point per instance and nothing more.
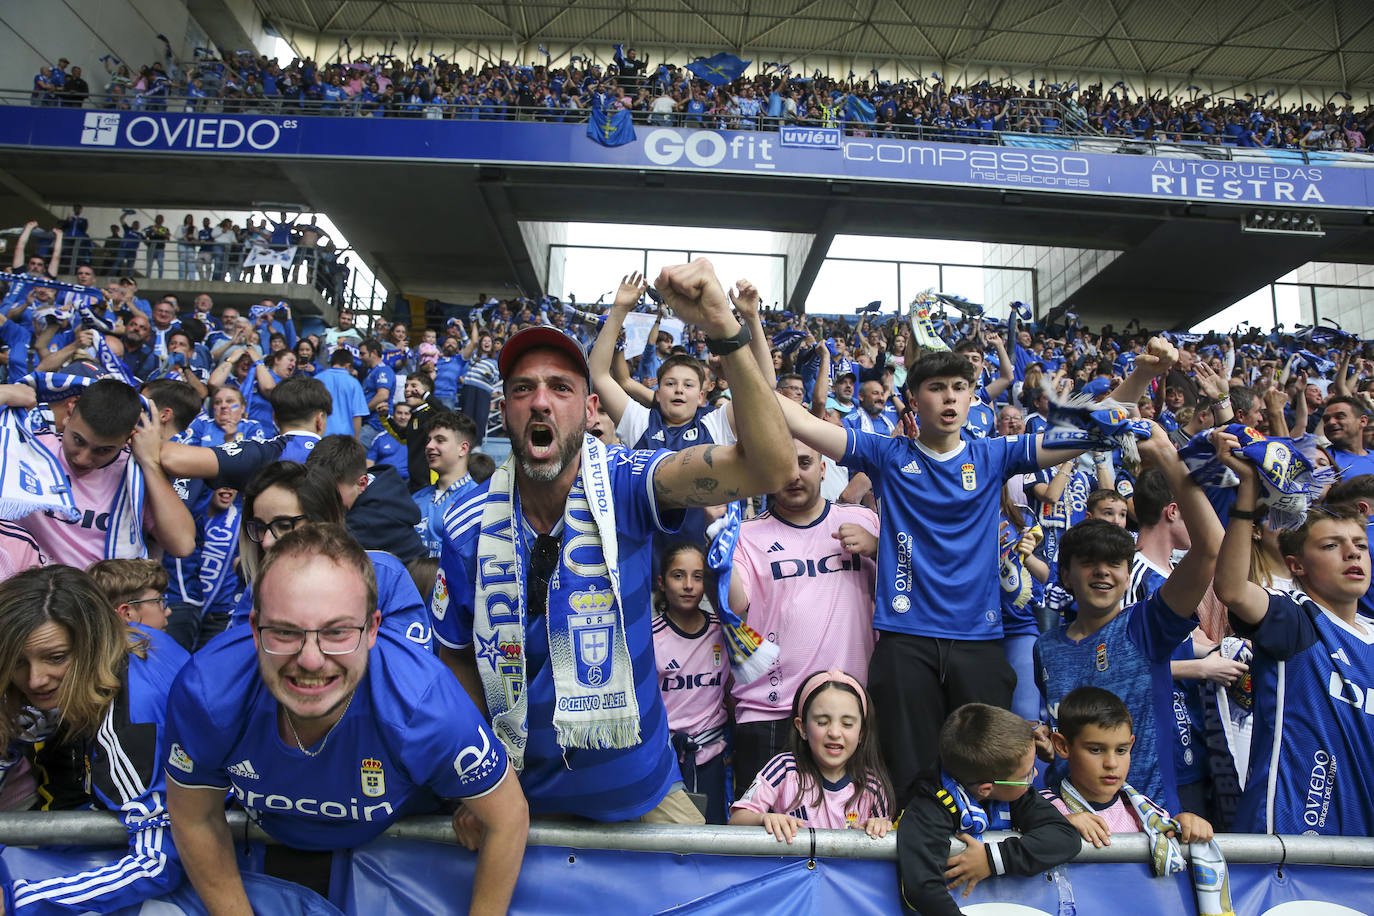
(804, 575)
(542, 603)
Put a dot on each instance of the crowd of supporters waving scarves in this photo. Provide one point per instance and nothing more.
(1097, 562)
(690, 94)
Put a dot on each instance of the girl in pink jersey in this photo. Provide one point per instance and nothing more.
(693, 671)
(833, 776)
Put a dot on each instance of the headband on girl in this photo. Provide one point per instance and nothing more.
(834, 675)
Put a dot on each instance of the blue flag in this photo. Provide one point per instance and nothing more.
(721, 69)
(858, 109)
(620, 56)
(614, 129)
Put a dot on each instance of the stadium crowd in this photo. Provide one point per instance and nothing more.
(798, 571)
(669, 94)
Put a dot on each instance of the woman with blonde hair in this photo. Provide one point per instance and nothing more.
(83, 705)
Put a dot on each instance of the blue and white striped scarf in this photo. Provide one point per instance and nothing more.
(751, 656)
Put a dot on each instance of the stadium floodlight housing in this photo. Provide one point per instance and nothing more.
(1282, 222)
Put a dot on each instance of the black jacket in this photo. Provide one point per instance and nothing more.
(929, 823)
(384, 516)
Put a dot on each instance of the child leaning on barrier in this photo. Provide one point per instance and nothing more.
(1095, 736)
(987, 764)
(833, 776)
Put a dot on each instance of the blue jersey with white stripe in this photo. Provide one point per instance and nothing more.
(409, 737)
(614, 784)
(123, 773)
(938, 555)
(1312, 748)
(1129, 655)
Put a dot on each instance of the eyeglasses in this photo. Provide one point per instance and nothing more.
(279, 526)
(543, 559)
(1029, 780)
(160, 599)
(290, 641)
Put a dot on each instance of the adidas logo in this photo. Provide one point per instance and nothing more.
(657, 437)
(244, 770)
(777, 546)
(673, 665)
(1340, 656)
(911, 467)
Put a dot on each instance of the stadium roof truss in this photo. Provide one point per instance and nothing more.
(1229, 45)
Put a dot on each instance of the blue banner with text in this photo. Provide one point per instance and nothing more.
(1261, 177)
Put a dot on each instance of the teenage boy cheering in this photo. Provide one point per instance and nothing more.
(938, 606)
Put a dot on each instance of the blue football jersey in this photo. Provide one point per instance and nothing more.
(409, 737)
(1312, 748)
(612, 784)
(981, 422)
(1130, 657)
(239, 462)
(938, 557)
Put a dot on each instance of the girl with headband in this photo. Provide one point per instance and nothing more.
(833, 775)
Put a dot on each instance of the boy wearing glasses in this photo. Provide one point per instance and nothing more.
(987, 764)
(1127, 648)
(313, 686)
(135, 589)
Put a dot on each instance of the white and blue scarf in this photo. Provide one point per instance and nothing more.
(217, 553)
(1286, 468)
(1210, 883)
(31, 480)
(1082, 424)
(974, 819)
(124, 536)
(751, 656)
(922, 330)
(593, 683)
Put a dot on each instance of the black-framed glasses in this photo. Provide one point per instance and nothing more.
(279, 526)
(290, 640)
(160, 599)
(543, 560)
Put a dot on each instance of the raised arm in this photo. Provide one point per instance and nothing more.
(745, 298)
(1186, 586)
(631, 287)
(55, 262)
(1233, 587)
(173, 526)
(17, 262)
(1217, 390)
(763, 458)
(1155, 362)
(1005, 370)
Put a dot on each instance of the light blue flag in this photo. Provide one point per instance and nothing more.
(719, 69)
(860, 109)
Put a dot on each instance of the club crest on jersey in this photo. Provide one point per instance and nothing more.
(1102, 656)
(591, 638)
(690, 435)
(715, 655)
(901, 604)
(511, 667)
(374, 780)
(970, 480)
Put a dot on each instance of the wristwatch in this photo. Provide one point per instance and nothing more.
(727, 345)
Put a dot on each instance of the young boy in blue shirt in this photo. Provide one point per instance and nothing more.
(938, 605)
(1312, 749)
(1127, 648)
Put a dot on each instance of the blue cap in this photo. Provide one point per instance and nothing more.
(1098, 386)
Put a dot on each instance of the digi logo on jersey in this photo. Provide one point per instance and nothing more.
(1351, 693)
(173, 131)
(707, 148)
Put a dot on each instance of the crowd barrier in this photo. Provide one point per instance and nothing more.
(580, 868)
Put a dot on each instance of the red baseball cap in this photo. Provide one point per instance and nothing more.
(541, 338)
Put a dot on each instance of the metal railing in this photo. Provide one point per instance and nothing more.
(69, 828)
(1085, 140)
